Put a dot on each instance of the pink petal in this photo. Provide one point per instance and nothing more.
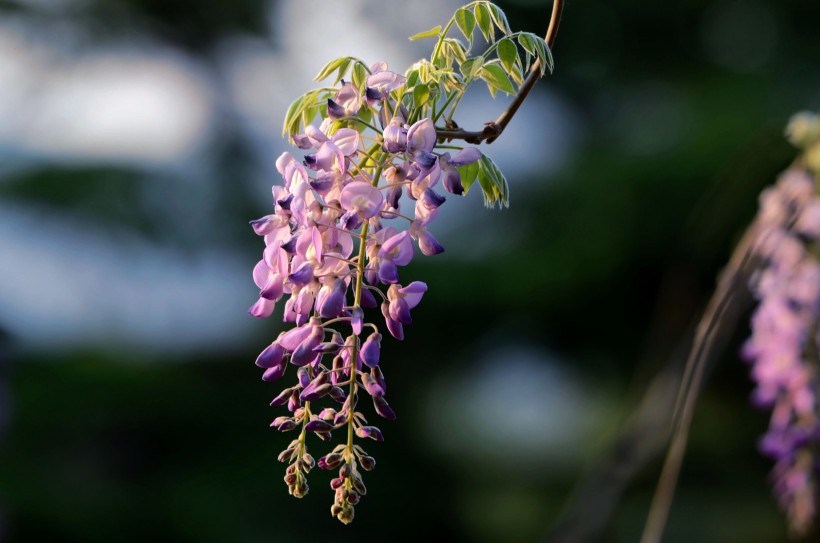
(422, 136)
(399, 248)
(466, 156)
(347, 140)
(413, 293)
(362, 197)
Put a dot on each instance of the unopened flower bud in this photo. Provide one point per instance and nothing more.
(271, 356)
(368, 300)
(346, 514)
(283, 424)
(285, 455)
(358, 484)
(282, 398)
(370, 431)
(340, 418)
(304, 353)
(318, 425)
(300, 489)
(293, 401)
(337, 394)
(803, 129)
(371, 385)
(367, 462)
(371, 349)
(331, 460)
(383, 408)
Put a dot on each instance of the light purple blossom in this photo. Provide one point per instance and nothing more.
(783, 336)
(362, 199)
(346, 103)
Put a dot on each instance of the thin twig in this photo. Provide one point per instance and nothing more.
(732, 287)
(649, 428)
(493, 129)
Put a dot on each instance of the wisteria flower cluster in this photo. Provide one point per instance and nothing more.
(351, 213)
(785, 343)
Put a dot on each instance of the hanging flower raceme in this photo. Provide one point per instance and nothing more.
(784, 343)
(349, 215)
(338, 197)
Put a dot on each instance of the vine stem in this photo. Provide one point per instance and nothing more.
(357, 298)
(493, 129)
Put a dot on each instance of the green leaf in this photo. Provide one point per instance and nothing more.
(343, 67)
(468, 174)
(495, 77)
(544, 56)
(293, 115)
(527, 41)
(466, 22)
(365, 114)
(515, 74)
(500, 19)
(485, 22)
(359, 75)
(424, 72)
(329, 68)
(427, 34)
(421, 93)
(537, 47)
(459, 53)
(493, 183)
(471, 67)
(412, 79)
(507, 53)
(308, 114)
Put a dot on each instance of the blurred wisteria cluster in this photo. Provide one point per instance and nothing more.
(785, 338)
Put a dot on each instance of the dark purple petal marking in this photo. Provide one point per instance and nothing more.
(334, 110)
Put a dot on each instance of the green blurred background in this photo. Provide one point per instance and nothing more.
(137, 139)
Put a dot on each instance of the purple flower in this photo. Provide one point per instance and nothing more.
(421, 136)
(262, 308)
(373, 388)
(452, 179)
(383, 408)
(371, 349)
(782, 341)
(346, 103)
(396, 251)
(395, 136)
(304, 352)
(330, 205)
(393, 326)
(428, 244)
(362, 199)
(369, 431)
(403, 299)
(316, 388)
(382, 81)
(331, 299)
